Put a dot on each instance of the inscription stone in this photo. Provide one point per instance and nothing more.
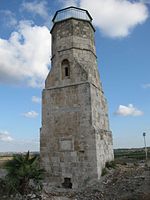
(65, 145)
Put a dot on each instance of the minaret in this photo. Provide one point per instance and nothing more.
(76, 141)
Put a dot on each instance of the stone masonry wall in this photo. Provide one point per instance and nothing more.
(73, 40)
(68, 147)
(75, 140)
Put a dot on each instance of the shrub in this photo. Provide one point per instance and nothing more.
(110, 165)
(104, 171)
(21, 170)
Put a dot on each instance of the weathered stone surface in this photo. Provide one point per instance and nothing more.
(75, 138)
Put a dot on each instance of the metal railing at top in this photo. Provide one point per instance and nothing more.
(71, 13)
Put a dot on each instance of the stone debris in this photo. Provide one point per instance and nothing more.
(126, 182)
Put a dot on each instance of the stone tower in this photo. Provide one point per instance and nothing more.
(76, 141)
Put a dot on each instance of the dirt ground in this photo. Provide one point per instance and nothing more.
(128, 181)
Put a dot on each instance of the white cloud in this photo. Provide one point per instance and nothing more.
(25, 55)
(116, 18)
(8, 18)
(20, 145)
(36, 99)
(5, 136)
(129, 110)
(68, 3)
(27, 141)
(145, 86)
(36, 8)
(30, 114)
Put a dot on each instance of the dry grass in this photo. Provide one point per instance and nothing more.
(3, 160)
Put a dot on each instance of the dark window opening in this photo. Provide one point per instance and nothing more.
(67, 183)
(65, 67)
(81, 151)
(66, 71)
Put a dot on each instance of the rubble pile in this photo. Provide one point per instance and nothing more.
(125, 182)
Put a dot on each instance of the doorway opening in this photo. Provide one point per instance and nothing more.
(67, 183)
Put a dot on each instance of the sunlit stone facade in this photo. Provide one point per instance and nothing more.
(76, 141)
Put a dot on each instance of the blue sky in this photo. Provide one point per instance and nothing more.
(123, 51)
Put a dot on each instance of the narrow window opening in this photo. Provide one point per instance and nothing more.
(66, 71)
(81, 151)
(67, 183)
(65, 67)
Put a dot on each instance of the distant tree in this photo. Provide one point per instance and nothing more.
(22, 170)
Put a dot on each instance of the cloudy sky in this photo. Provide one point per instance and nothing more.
(123, 50)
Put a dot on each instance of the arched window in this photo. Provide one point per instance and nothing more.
(65, 67)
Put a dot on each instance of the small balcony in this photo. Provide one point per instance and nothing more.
(72, 12)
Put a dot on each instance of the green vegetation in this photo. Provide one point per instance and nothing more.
(24, 174)
(138, 154)
(104, 171)
(110, 165)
